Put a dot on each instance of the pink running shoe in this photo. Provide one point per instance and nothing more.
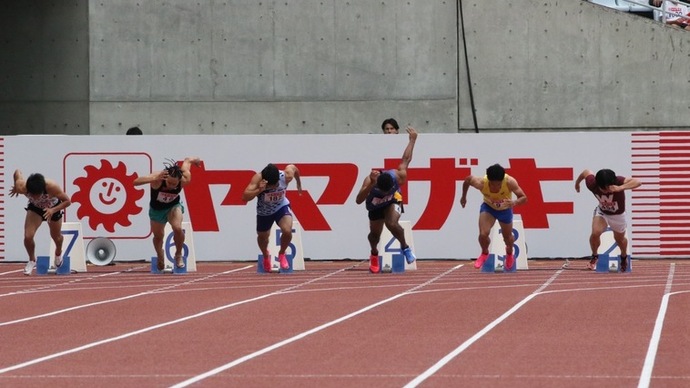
(373, 264)
(592, 265)
(480, 260)
(267, 263)
(283, 261)
(510, 261)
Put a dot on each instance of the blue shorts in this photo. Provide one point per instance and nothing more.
(264, 223)
(161, 216)
(503, 216)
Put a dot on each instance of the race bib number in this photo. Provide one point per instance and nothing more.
(609, 206)
(164, 197)
(274, 197)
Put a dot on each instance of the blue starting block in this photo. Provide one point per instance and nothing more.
(606, 263)
(43, 266)
(275, 264)
(174, 269)
(180, 271)
(154, 266)
(495, 263)
(397, 264)
(65, 268)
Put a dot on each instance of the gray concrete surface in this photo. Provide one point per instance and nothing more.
(318, 66)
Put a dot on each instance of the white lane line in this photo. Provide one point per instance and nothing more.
(55, 285)
(307, 333)
(11, 272)
(83, 306)
(450, 356)
(646, 375)
(154, 327)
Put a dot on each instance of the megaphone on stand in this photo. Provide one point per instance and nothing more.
(100, 251)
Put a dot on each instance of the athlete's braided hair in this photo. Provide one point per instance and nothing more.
(173, 169)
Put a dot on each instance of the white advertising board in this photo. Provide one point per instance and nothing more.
(97, 171)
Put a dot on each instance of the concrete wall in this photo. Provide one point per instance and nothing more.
(331, 66)
(308, 66)
(572, 64)
(44, 67)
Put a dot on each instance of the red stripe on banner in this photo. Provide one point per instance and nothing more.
(665, 176)
(663, 225)
(662, 197)
(674, 133)
(662, 218)
(659, 148)
(682, 205)
(673, 154)
(662, 169)
(663, 162)
(666, 236)
(661, 134)
(667, 252)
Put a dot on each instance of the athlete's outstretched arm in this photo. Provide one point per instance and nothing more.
(291, 171)
(407, 155)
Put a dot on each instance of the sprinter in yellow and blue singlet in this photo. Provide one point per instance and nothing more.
(498, 188)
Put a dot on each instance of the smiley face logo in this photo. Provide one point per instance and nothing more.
(107, 196)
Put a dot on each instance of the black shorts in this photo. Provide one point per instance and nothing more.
(39, 211)
(379, 214)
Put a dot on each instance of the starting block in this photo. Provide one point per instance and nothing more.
(72, 249)
(497, 249)
(188, 255)
(392, 259)
(44, 267)
(609, 254)
(169, 267)
(294, 253)
(496, 263)
(396, 264)
(607, 263)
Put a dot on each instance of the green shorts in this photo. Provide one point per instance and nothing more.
(161, 216)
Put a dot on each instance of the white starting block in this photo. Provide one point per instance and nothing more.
(609, 254)
(294, 253)
(73, 254)
(188, 255)
(391, 258)
(497, 249)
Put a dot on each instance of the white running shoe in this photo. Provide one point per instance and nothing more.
(29, 267)
(566, 264)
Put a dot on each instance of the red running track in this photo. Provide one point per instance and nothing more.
(337, 325)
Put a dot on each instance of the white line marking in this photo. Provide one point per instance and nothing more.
(11, 272)
(305, 334)
(82, 306)
(445, 360)
(646, 375)
(55, 285)
(154, 327)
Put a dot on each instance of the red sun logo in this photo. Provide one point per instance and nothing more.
(107, 196)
